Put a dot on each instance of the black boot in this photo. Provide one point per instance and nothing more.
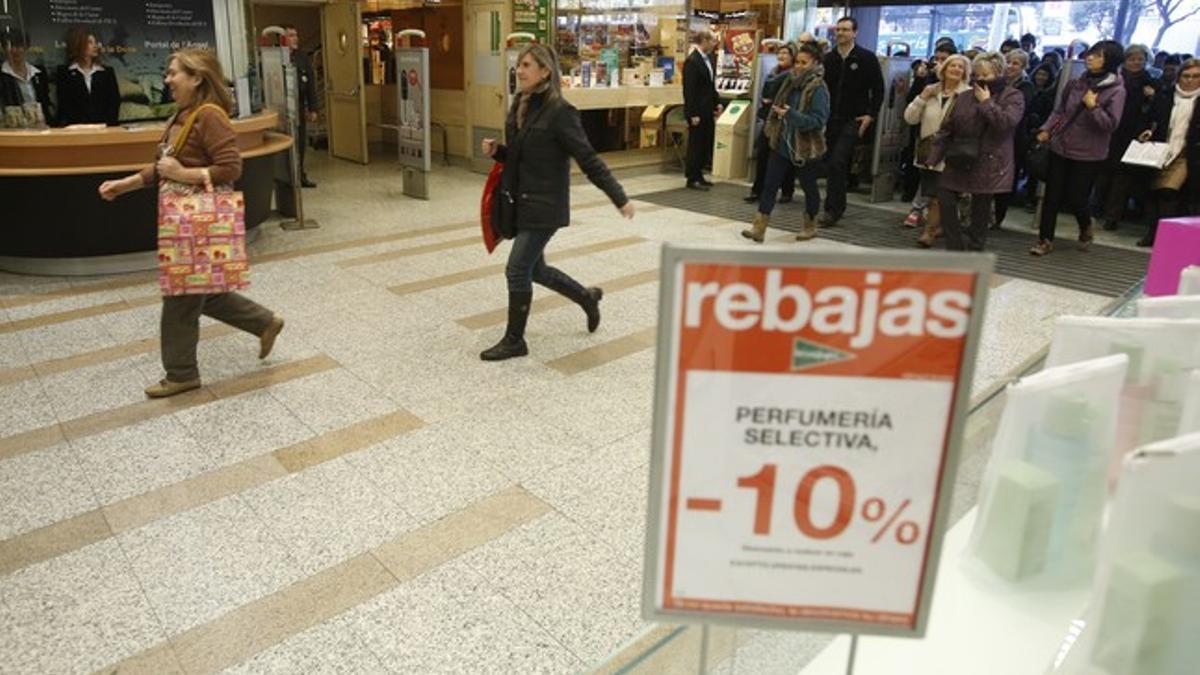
(591, 307)
(513, 342)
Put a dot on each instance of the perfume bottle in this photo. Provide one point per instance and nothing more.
(1149, 624)
(1062, 445)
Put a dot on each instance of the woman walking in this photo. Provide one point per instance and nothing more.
(796, 135)
(544, 133)
(1079, 132)
(927, 112)
(1176, 189)
(199, 147)
(762, 149)
(976, 143)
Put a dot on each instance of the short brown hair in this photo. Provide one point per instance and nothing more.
(77, 43)
(203, 64)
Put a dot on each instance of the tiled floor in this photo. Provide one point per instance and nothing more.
(372, 498)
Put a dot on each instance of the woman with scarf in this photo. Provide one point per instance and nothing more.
(1079, 132)
(1117, 181)
(975, 142)
(762, 150)
(926, 112)
(796, 135)
(534, 196)
(1176, 189)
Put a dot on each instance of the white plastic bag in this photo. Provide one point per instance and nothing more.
(1161, 354)
(1143, 617)
(1044, 488)
(1169, 307)
(1189, 280)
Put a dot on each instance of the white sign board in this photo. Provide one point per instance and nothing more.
(807, 418)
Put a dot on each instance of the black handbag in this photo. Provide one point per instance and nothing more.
(962, 153)
(1037, 160)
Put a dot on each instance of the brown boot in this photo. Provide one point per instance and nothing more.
(758, 228)
(266, 341)
(933, 226)
(166, 388)
(1085, 238)
(809, 230)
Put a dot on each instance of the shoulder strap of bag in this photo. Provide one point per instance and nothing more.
(191, 122)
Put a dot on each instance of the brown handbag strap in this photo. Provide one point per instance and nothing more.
(188, 124)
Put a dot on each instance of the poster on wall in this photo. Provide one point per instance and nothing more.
(532, 16)
(135, 38)
(412, 85)
(808, 415)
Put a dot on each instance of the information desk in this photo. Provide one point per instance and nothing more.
(603, 98)
(54, 219)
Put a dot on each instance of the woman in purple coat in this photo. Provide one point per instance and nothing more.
(1079, 132)
(976, 141)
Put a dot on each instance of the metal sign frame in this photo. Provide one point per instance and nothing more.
(666, 372)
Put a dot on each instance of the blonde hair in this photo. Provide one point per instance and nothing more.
(966, 64)
(203, 64)
(994, 60)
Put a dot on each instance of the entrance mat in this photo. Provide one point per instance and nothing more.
(1102, 270)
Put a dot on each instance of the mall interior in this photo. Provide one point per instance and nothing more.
(372, 497)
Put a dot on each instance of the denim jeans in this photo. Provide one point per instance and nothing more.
(841, 137)
(779, 169)
(527, 265)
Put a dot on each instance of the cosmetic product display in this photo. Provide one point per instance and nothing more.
(1043, 492)
(1189, 417)
(1189, 280)
(1170, 307)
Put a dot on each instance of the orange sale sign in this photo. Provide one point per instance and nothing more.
(807, 419)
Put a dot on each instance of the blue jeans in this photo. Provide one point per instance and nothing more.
(779, 168)
(527, 265)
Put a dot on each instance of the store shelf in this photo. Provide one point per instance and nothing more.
(603, 98)
(997, 629)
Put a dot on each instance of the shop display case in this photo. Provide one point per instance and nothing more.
(607, 43)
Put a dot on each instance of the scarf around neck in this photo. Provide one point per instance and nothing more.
(1181, 118)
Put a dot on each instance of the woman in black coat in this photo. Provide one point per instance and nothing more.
(534, 197)
(87, 91)
(1176, 122)
(1119, 181)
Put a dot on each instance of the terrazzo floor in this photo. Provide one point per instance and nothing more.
(372, 497)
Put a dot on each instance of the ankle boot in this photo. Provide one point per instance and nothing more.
(758, 228)
(933, 226)
(591, 306)
(513, 342)
(809, 230)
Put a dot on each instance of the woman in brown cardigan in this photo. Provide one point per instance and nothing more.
(208, 155)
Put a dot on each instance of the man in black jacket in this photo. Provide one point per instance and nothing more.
(855, 83)
(309, 102)
(701, 106)
(22, 82)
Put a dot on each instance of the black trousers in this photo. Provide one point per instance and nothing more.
(302, 140)
(1069, 185)
(700, 147)
(974, 236)
(762, 155)
(841, 136)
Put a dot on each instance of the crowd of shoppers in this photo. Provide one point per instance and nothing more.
(986, 128)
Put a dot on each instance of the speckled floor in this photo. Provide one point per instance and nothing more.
(372, 498)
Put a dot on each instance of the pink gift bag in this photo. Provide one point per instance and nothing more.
(1176, 245)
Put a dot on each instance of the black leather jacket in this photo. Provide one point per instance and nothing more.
(537, 167)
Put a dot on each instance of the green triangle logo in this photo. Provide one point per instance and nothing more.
(807, 354)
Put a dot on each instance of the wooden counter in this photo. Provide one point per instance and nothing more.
(55, 221)
(603, 98)
(57, 152)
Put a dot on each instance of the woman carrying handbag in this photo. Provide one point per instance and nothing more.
(1078, 133)
(927, 111)
(976, 143)
(534, 200)
(199, 150)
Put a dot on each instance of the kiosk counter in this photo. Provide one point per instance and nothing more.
(54, 219)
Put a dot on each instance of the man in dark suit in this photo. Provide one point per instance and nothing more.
(309, 102)
(701, 106)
